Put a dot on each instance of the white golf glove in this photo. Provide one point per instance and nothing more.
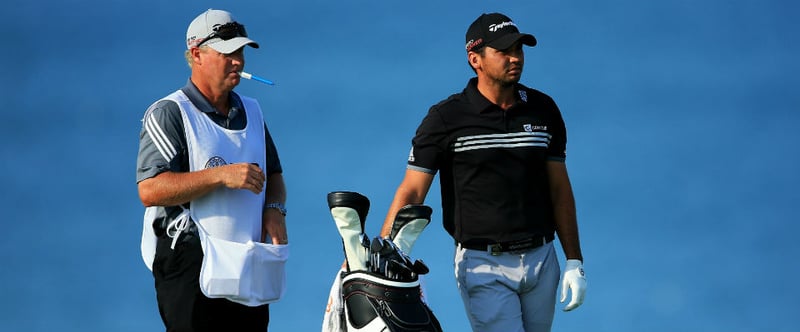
(575, 280)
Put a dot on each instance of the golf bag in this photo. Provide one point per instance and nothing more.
(379, 289)
(374, 303)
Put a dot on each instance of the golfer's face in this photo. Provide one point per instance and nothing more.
(504, 66)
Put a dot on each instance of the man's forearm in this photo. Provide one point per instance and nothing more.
(175, 188)
(566, 221)
(276, 189)
(567, 229)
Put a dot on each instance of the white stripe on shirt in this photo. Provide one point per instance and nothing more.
(510, 140)
(159, 139)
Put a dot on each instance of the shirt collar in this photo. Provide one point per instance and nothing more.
(481, 103)
(200, 101)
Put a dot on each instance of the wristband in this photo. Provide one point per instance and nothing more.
(277, 206)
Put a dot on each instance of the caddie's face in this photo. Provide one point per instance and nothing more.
(502, 66)
(221, 70)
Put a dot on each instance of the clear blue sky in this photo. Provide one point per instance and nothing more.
(683, 148)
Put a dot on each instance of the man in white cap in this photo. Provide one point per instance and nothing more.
(206, 154)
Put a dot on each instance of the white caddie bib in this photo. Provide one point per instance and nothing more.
(236, 266)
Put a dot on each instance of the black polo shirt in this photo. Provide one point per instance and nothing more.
(492, 163)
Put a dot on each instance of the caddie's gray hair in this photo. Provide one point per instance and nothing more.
(188, 55)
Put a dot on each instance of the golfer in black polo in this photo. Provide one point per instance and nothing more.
(500, 149)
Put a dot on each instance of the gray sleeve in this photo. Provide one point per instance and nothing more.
(162, 144)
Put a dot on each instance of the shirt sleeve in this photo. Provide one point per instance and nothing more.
(273, 161)
(557, 150)
(162, 144)
(429, 144)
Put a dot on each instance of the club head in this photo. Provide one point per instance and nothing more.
(387, 247)
(365, 241)
(400, 270)
(377, 245)
(420, 267)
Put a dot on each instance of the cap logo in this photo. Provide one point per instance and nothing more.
(472, 43)
(192, 41)
(495, 27)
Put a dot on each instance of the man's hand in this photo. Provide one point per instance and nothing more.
(575, 280)
(243, 176)
(273, 224)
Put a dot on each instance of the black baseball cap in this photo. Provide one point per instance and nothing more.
(497, 31)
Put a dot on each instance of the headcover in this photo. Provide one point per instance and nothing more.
(381, 292)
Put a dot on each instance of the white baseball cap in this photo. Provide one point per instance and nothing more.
(218, 30)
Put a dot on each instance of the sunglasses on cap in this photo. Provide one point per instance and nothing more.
(225, 32)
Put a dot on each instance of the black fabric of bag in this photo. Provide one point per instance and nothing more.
(400, 307)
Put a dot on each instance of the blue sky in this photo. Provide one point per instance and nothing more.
(683, 149)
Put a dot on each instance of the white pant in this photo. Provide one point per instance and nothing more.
(510, 292)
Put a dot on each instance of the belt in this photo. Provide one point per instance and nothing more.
(496, 248)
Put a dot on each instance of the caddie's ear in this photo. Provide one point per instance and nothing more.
(194, 52)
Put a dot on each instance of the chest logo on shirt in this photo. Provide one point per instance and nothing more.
(215, 162)
(523, 95)
(530, 128)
